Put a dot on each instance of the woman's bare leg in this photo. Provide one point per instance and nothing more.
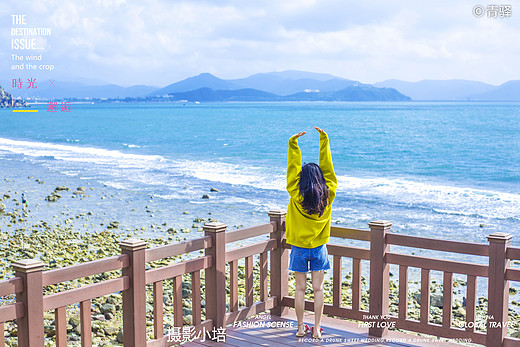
(299, 298)
(317, 286)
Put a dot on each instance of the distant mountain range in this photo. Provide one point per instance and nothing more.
(284, 85)
(280, 83)
(455, 90)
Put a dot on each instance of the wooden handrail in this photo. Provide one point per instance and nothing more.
(348, 251)
(513, 275)
(30, 281)
(437, 264)
(175, 249)
(11, 286)
(246, 251)
(90, 291)
(348, 233)
(513, 253)
(90, 268)
(246, 233)
(178, 269)
(438, 245)
(12, 311)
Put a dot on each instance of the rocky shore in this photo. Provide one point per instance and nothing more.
(7, 100)
(57, 242)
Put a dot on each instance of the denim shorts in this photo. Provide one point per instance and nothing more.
(301, 257)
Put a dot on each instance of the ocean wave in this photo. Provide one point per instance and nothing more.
(446, 199)
(69, 152)
(154, 171)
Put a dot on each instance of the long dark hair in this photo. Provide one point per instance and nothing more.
(313, 189)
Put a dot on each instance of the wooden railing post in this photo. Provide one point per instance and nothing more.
(215, 276)
(30, 326)
(279, 259)
(134, 298)
(379, 278)
(498, 289)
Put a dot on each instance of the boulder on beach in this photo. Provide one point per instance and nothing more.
(113, 225)
(213, 190)
(60, 188)
(53, 197)
(205, 196)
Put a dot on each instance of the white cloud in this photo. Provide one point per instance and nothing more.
(158, 41)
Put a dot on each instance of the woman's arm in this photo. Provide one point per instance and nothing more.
(326, 161)
(294, 163)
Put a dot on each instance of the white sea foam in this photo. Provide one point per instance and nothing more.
(68, 152)
(437, 197)
(131, 146)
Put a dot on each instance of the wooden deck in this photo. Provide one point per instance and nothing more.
(257, 331)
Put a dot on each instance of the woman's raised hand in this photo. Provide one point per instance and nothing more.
(319, 130)
(301, 133)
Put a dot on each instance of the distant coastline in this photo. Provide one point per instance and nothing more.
(273, 86)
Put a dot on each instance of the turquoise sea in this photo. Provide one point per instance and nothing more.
(444, 170)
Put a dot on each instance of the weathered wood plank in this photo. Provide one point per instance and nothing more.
(246, 251)
(90, 291)
(90, 268)
(347, 233)
(174, 249)
(437, 264)
(246, 233)
(174, 270)
(438, 245)
(158, 312)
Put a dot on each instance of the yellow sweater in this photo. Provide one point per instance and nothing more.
(304, 230)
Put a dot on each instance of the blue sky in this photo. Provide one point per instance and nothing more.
(157, 42)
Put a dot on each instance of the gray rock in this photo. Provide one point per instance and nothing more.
(436, 300)
(99, 317)
(74, 320)
(113, 225)
(112, 299)
(186, 293)
(120, 336)
(53, 197)
(108, 308)
(60, 188)
(111, 330)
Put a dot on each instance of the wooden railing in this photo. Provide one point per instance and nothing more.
(30, 279)
(497, 272)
